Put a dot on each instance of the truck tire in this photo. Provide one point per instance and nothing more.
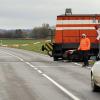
(97, 58)
(55, 58)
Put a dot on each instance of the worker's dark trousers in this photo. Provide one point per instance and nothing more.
(85, 57)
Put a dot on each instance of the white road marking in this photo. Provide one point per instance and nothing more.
(50, 79)
(61, 88)
(30, 64)
(40, 71)
(36, 68)
(14, 56)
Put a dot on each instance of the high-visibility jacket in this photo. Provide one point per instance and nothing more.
(84, 44)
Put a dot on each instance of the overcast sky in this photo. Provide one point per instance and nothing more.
(30, 13)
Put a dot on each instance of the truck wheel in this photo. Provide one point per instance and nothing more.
(55, 58)
(97, 58)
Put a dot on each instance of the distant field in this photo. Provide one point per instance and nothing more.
(32, 45)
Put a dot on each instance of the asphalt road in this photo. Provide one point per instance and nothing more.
(25, 75)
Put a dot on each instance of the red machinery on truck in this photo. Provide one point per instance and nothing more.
(69, 29)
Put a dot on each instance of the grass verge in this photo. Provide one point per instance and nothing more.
(32, 45)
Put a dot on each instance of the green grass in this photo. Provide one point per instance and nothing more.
(24, 44)
(18, 41)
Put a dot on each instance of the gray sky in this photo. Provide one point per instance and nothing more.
(30, 13)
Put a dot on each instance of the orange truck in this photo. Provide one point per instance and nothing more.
(69, 29)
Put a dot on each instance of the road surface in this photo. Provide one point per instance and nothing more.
(25, 75)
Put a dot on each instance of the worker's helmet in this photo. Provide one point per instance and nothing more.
(83, 35)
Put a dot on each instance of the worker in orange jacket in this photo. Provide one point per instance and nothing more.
(84, 47)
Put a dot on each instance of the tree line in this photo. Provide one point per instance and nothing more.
(44, 31)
